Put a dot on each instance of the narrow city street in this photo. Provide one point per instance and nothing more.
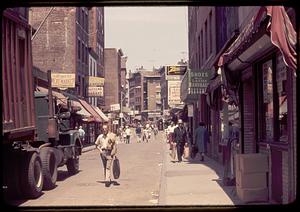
(139, 181)
(148, 178)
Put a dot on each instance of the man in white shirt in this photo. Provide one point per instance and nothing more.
(81, 134)
(106, 144)
(128, 134)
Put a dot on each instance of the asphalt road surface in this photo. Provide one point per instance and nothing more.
(138, 184)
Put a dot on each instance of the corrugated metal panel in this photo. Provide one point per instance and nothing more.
(18, 110)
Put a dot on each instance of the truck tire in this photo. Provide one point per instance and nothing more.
(32, 180)
(49, 167)
(73, 163)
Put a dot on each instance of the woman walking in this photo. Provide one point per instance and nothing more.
(201, 139)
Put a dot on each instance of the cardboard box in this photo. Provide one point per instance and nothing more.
(253, 194)
(251, 180)
(249, 163)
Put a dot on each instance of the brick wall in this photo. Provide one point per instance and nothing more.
(53, 47)
(112, 79)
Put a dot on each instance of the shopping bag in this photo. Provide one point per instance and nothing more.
(116, 168)
(173, 151)
(186, 152)
(194, 151)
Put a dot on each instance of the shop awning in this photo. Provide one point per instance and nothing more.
(244, 37)
(282, 35)
(103, 116)
(83, 112)
(61, 99)
(90, 109)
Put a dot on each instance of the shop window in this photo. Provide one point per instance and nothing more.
(273, 102)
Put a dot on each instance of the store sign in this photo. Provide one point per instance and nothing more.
(115, 122)
(176, 70)
(62, 80)
(115, 107)
(95, 91)
(194, 83)
(95, 81)
(174, 93)
(190, 110)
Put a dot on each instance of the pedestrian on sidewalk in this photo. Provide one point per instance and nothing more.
(170, 135)
(107, 146)
(138, 132)
(180, 139)
(201, 139)
(81, 134)
(128, 134)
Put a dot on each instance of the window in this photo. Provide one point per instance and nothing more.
(206, 40)
(200, 61)
(210, 32)
(273, 101)
(202, 56)
(78, 48)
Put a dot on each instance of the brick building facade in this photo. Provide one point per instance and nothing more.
(249, 72)
(112, 75)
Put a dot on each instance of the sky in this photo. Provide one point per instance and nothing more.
(148, 36)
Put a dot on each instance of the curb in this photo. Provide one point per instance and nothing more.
(163, 184)
(88, 148)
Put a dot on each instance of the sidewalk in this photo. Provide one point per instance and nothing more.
(194, 183)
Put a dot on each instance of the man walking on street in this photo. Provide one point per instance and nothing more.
(81, 134)
(180, 139)
(106, 144)
(201, 139)
(128, 134)
(138, 132)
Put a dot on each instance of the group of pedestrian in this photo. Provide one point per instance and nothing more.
(124, 134)
(178, 138)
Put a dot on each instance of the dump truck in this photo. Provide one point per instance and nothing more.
(36, 133)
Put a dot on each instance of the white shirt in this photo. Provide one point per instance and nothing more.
(102, 140)
(128, 131)
(171, 129)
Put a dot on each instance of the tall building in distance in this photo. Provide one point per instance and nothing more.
(112, 75)
(96, 48)
(144, 94)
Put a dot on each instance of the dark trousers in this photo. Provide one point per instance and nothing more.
(180, 148)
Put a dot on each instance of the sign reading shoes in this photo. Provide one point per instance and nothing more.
(62, 80)
(194, 83)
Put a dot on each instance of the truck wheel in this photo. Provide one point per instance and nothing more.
(32, 180)
(49, 167)
(73, 163)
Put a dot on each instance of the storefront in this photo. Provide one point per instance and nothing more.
(193, 89)
(258, 72)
